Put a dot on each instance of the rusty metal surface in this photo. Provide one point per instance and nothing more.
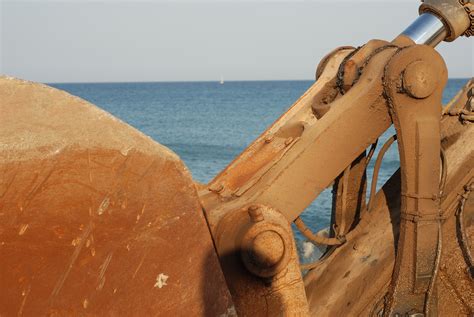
(263, 275)
(414, 83)
(354, 279)
(374, 278)
(301, 138)
(260, 175)
(342, 102)
(95, 218)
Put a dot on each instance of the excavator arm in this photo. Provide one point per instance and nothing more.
(98, 219)
(322, 140)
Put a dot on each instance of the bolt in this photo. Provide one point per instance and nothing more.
(267, 249)
(288, 141)
(217, 188)
(237, 192)
(255, 213)
(269, 138)
(419, 80)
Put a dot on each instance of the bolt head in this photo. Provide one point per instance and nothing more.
(255, 214)
(269, 138)
(419, 80)
(217, 188)
(267, 249)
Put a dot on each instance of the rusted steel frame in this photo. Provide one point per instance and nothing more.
(336, 140)
(304, 138)
(414, 81)
(271, 146)
(279, 292)
(349, 189)
(366, 261)
(294, 186)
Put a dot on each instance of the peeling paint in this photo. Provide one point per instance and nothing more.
(161, 280)
(85, 303)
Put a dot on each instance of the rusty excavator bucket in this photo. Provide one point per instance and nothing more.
(97, 219)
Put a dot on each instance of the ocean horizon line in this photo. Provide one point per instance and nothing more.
(195, 81)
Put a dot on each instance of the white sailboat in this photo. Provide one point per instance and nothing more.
(222, 80)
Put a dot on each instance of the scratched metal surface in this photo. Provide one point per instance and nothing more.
(95, 217)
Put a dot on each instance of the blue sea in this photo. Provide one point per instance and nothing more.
(208, 124)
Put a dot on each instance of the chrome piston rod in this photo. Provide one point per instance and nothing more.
(427, 29)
